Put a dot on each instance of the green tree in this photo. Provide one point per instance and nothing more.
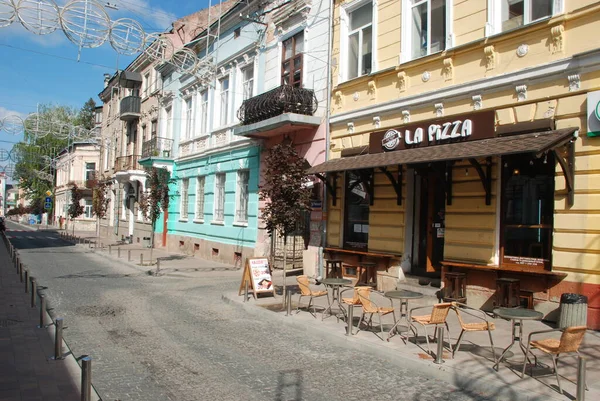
(86, 117)
(75, 208)
(286, 197)
(100, 200)
(156, 198)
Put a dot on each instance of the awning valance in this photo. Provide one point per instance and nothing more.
(535, 142)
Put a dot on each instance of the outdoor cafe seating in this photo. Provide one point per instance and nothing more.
(306, 291)
(369, 307)
(439, 313)
(480, 323)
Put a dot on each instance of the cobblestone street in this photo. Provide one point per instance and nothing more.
(173, 338)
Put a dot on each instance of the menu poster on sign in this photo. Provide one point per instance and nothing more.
(258, 275)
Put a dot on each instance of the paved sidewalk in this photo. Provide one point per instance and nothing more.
(26, 372)
(471, 370)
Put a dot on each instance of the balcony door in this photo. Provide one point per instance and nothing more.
(291, 66)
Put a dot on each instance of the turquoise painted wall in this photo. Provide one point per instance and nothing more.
(229, 162)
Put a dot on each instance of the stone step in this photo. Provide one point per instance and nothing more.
(430, 287)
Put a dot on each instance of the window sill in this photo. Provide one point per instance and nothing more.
(217, 222)
(199, 221)
(183, 220)
(240, 223)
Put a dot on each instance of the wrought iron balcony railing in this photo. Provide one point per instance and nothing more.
(130, 108)
(284, 99)
(124, 163)
(157, 147)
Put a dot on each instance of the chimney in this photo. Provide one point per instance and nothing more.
(106, 79)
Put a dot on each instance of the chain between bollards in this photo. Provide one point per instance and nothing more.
(58, 350)
(42, 311)
(86, 378)
(580, 379)
(33, 291)
(439, 356)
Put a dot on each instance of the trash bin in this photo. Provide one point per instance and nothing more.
(573, 310)
(146, 241)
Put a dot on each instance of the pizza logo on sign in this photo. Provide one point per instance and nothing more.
(391, 139)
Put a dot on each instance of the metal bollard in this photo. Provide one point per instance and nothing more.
(33, 291)
(246, 291)
(141, 259)
(157, 265)
(129, 255)
(110, 249)
(19, 268)
(58, 350)
(86, 378)
(439, 357)
(350, 321)
(119, 252)
(90, 242)
(581, 379)
(42, 311)
(26, 281)
(21, 273)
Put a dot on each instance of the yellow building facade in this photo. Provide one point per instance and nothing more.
(463, 139)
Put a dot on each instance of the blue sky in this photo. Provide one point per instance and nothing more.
(44, 69)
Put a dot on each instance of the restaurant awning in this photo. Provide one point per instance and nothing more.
(536, 142)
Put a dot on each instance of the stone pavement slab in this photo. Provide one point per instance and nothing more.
(26, 372)
(471, 370)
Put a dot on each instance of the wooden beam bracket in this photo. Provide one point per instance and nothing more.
(331, 187)
(396, 182)
(485, 177)
(567, 164)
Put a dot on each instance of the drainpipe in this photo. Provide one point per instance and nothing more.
(327, 139)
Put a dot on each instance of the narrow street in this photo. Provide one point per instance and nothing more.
(172, 338)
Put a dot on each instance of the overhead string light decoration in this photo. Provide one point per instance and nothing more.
(40, 17)
(85, 23)
(12, 124)
(127, 36)
(8, 12)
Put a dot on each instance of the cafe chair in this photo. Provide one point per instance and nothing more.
(439, 313)
(481, 324)
(305, 291)
(569, 343)
(369, 307)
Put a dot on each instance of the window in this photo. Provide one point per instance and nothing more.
(106, 154)
(224, 106)
(204, 112)
(199, 213)
(427, 28)
(146, 91)
(248, 82)
(183, 207)
(144, 131)
(153, 128)
(527, 210)
(356, 209)
(291, 66)
(241, 211)
(169, 122)
(188, 118)
(90, 171)
(516, 13)
(87, 209)
(360, 41)
(219, 197)
(157, 82)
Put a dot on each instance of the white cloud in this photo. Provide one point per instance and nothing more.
(4, 112)
(151, 18)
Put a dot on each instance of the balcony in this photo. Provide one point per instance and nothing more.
(276, 111)
(157, 147)
(130, 108)
(126, 163)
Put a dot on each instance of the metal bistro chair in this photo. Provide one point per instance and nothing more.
(439, 313)
(371, 308)
(569, 343)
(305, 291)
(482, 324)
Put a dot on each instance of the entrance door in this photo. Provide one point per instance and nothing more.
(431, 223)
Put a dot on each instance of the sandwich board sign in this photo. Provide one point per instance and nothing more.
(257, 274)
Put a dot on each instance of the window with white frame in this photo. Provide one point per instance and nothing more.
(183, 205)
(426, 28)
(169, 122)
(248, 82)
(511, 14)
(219, 197)
(87, 209)
(359, 41)
(241, 210)
(224, 101)
(146, 91)
(188, 118)
(204, 112)
(199, 212)
(90, 171)
(156, 81)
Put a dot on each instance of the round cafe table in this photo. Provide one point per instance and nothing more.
(404, 296)
(335, 284)
(516, 316)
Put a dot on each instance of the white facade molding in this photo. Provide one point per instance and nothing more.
(448, 69)
(490, 57)
(558, 38)
(574, 82)
(402, 83)
(522, 50)
(439, 109)
(406, 116)
(425, 76)
(477, 102)
(579, 64)
(351, 128)
(377, 122)
(521, 92)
